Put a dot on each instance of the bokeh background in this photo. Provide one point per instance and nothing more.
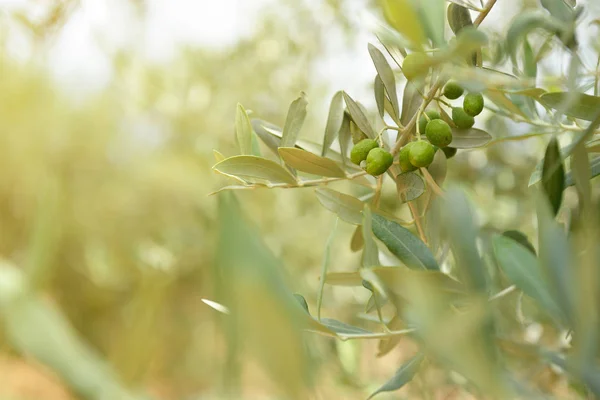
(109, 114)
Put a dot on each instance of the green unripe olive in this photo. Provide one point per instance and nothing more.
(439, 133)
(452, 90)
(404, 159)
(449, 151)
(415, 65)
(421, 154)
(461, 118)
(378, 161)
(432, 114)
(473, 104)
(361, 149)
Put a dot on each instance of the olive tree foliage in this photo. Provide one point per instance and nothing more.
(470, 300)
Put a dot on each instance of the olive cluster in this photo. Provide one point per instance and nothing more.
(377, 160)
(438, 132)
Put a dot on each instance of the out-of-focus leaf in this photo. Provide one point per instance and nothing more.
(351, 279)
(432, 19)
(411, 101)
(589, 375)
(387, 77)
(243, 130)
(246, 269)
(522, 268)
(503, 102)
(554, 258)
(458, 17)
(585, 135)
(310, 163)
(553, 179)
(580, 105)
(346, 207)
(357, 242)
(403, 244)
(532, 92)
(379, 91)
(342, 329)
(410, 186)
(462, 234)
(401, 15)
(254, 168)
(359, 117)
(438, 167)
(402, 376)
(594, 171)
(268, 133)
(334, 121)
(524, 23)
(370, 254)
(581, 173)
(559, 9)
(469, 40)
(520, 238)
(469, 138)
(294, 121)
(530, 64)
(218, 156)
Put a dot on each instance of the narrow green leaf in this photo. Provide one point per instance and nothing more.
(431, 13)
(520, 238)
(310, 163)
(594, 171)
(334, 121)
(581, 173)
(325, 267)
(218, 156)
(402, 376)
(294, 121)
(252, 167)
(403, 244)
(529, 61)
(243, 130)
(379, 91)
(410, 186)
(555, 259)
(526, 22)
(370, 254)
(268, 133)
(346, 207)
(469, 138)
(387, 77)
(458, 17)
(559, 9)
(462, 235)
(345, 138)
(522, 268)
(401, 15)
(553, 179)
(359, 117)
(579, 105)
(343, 329)
(468, 41)
(438, 167)
(357, 242)
(500, 99)
(411, 101)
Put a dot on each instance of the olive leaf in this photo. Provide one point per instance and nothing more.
(345, 139)
(294, 121)
(403, 244)
(379, 91)
(402, 16)
(469, 138)
(253, 167)
(524, 23)
(387, 77)
(500, 99)
(579, 105)
(370, 255)
(410, 186)
(346, 207)
(411, 101)
(334, 121)
(520, 238)
(553, 179)
(359, 117)
(458, 17)
(581, 174)
(594, 171)
(431, 13)
(522, 268)
(357, 242)
(305, 161)
(403, 375)
(243, 130)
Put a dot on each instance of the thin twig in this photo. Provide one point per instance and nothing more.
(434, 186)
(324, 267)
(486, 10)
(417, 218)
(503, 293)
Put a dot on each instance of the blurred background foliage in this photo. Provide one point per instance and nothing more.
(104, 203)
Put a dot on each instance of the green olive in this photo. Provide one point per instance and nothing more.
(473, 104)
(449, 151)
(432, 114)
(378, 161)
(461, 118)
(404, 159)
(361, 149)
(421, 154)
(453, 90)
(415, 65)
(439, 133)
